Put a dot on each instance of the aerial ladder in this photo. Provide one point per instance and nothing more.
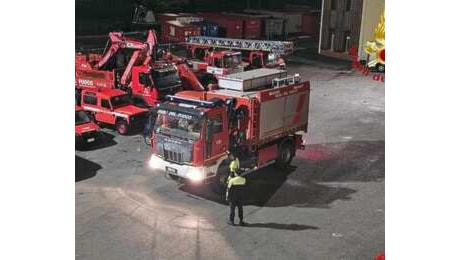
(238, 55)
(276, 47)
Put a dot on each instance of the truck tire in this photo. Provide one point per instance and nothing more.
(219, 183)
(285, 154)
(122, 127)
(380, 68)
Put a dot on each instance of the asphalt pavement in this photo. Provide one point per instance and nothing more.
(329, 206)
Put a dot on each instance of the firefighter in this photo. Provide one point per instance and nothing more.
(235, 188)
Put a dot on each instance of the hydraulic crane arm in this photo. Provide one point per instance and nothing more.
(118, 41)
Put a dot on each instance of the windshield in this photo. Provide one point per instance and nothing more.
(232, 61)
(119, 101)
(81, 118)
(177, 124)
(165, 78)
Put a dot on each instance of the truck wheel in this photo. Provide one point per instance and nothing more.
(219, 183)
(122, 127)
(285, 155)
(381, 68)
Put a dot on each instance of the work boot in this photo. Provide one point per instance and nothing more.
(231, 222)
(242, 223)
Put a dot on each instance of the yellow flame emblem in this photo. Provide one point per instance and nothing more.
(377, 47)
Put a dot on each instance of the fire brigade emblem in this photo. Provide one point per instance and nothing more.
(376, 49)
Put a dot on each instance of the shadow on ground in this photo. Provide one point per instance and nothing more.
(315, 178)
(85, 169)
(107, 140)
(292, 227)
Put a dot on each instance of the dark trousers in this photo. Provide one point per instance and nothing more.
(233, 205)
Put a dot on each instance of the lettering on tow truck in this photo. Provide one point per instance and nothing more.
(85, 82)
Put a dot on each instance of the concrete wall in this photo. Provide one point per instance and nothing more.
(372, 9)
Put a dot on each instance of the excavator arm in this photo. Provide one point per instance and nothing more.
(119, 41)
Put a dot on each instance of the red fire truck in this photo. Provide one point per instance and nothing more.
(240, 54)
(140, 76)
(86, 131)
(194, 130)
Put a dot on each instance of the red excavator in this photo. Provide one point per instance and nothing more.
(130, 65)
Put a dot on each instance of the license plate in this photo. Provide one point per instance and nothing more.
(90, 140)
(171, 170)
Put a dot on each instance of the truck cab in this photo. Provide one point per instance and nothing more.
(218, 63)
(86, 131)
(150, 82)
(262, 59)
(155, 81)
(113, 107)
(187, 137)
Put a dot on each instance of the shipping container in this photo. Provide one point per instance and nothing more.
(273, 28)
(208, 28)
(252, 24)
(176, 32)
(230, 27)
(293, 19)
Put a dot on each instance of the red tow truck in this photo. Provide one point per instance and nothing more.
(86, 131)
(259, 114)
(129, 65)
(113, 107)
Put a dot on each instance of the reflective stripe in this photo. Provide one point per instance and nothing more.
(93, 109)
(238, 180)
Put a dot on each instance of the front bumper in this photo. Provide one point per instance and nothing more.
(87, 138)
(188, 172)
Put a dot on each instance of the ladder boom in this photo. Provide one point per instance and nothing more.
(278, 47)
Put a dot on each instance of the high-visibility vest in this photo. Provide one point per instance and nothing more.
(234, 165)
(235, 181)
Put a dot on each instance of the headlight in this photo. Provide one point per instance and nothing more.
(155, 162)
(195, 175)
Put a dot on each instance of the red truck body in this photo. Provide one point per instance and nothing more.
(141, 76)
(238, 119)
(113, 107)
(86, 131)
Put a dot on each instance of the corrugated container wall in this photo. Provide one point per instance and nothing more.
(273, 27)
(208, 28)
(251, 25)
(293, 20)
(230, 27)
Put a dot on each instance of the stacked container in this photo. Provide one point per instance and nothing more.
(252, 24)
(293, 19)
(230, 26)
(176, 32)
(208, 28)
(273, 28)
